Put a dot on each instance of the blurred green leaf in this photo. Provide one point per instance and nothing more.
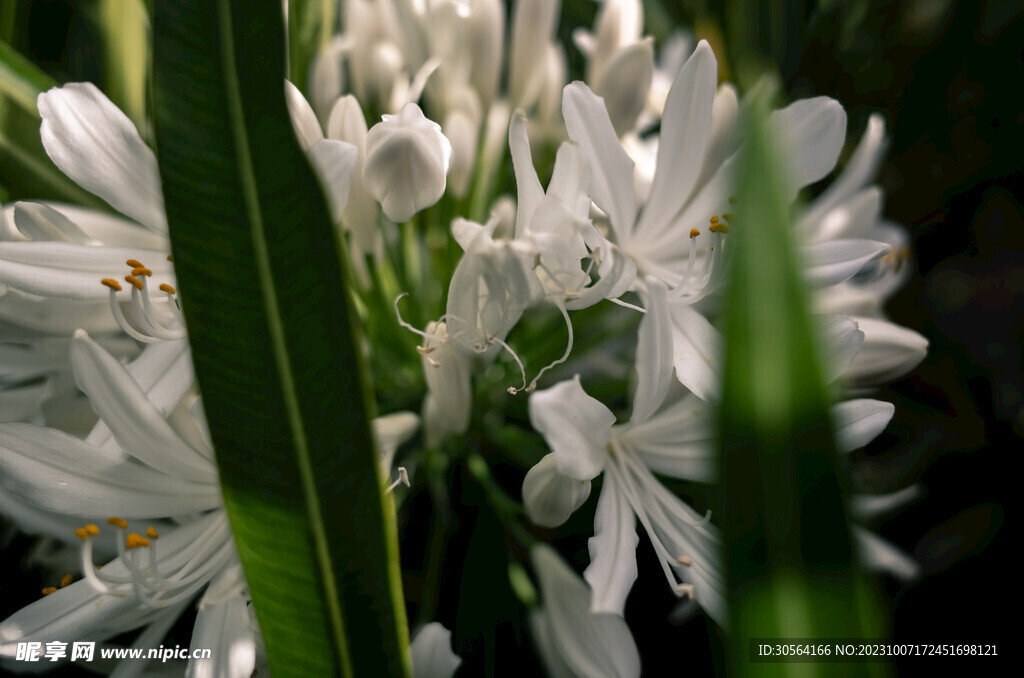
(789, 556)
(125, 28)
(25, 169)
(260, 268)
(311, 23)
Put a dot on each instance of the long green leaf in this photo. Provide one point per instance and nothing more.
(788, 554)
(25, 169)
(260, 270)
(311, 24)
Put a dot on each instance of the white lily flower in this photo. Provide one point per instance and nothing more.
(407, 160)
(573, 640)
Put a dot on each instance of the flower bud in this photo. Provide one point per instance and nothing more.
(449, 398)
(406, 163)
(551, 497)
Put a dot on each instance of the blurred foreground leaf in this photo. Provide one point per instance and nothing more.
(789, 557)
(260, 270)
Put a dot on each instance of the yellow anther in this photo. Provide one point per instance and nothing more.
(48, 590)
(728, 216)
(694, 233)
(684, 560)
(135, 282)
(714, 219)
(732, 199)
(170, 257)
(167, 288)
(134, 263)
(718, 228)
(141, 270)
(134, 541)
(82, 533)
(112, 284)
(92, 529)
(152, 533)
(117, 522)
(65, 580)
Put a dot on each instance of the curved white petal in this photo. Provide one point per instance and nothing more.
(575, 426)
(679, 440)
(654, 354)
(432, 655)
(842, 341)
(685, 133)
(136, 423)
(878, 554)
(335, 163)
(625, 83)
(889, 352)
(391, 431)
(611, 168)
(852, 218)
(697, 350)
(38, 221)
(528, 189)
(551, 497)
(811, 134)
(69, 271)
(95, 144)
(304, 122)
(63, 474)
(833, 261)
(612, 569)
(860, 421)
(573, 641)
(224, 625)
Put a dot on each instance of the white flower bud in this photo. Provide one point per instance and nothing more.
(533, 30)
(304, 122)
(551, 497)
(625, 84)
(463, 132)
(406, 163)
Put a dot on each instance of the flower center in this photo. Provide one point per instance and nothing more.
(147, 321)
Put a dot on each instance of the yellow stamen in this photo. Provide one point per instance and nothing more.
(728, 216)
(92, 529)
(167, 288)
(718, 228)
(48, 590)
(81, 533)
(133, 541)
(136, 283)
(694, 233)
(714, 219)
(732, 199)
(141, 270)
(112, 284)
(134, 263)
(170, 257)
(152, 533)
(118, 522)
(65, 580)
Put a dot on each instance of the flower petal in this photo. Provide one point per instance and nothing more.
(391, 431)
(551, 497)
(879, 555)
(572, 640)
(697, 349)
(224, 625)
(335, 163)
(432, 655)
(575, 426)
(304, 122)
(137, 424)
(811, 133)
(654, 354)
(625, 83)
(860, 421)
(833, 261)
(612, 569)
(842, 340)
(679, 440)
(685, 133)
(528, 188)
(98, 147)
(611, 172)
(889, 352)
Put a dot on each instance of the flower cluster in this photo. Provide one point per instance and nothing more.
(628, 218)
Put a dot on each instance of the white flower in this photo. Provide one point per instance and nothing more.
(406, 163)
(572, 640)
(669, 432)
(148, 462)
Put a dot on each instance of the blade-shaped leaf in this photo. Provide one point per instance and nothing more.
(789, 554)
(260, 271)
(311, 24)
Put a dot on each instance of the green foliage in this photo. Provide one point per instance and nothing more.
(261, 270)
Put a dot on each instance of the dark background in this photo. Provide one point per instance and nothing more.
(948, 78)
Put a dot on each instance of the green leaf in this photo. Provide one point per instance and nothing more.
(25, 169)
(789, 557)
(311, 24)
(260, 269)
(125, 28)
